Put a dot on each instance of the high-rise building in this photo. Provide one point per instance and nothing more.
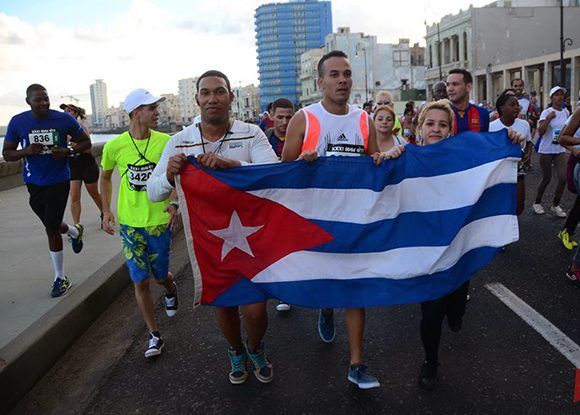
(283, 32)
(99, 102)
(187, 106)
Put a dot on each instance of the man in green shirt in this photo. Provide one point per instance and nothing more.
(144, 226)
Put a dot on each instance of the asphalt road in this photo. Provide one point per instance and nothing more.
(496, 364)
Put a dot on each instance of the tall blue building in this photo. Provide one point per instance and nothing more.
(283, 32)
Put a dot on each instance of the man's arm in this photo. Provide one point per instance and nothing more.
(106, 187)
(162, 180)
(81, 142)
(567, 136)
(10, 152)
(261, 151)
(373, 146)
(294, 137)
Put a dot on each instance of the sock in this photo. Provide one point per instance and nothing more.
(57, 263)
(155, 334)
(72, 231)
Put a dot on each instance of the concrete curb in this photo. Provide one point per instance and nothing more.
(32, 353)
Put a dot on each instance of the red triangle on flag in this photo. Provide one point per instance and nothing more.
(270, 231)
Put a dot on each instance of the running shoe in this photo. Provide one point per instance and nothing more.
(60, 287)
(358, 375)
(262, 367)
(77, 243)
(239, 372)
(538, 209)
(155, 345)
(566, 240)
(558, 211)
(282, 306)
(428, 376)
(171, 302)
(326, 326)
(573, 275)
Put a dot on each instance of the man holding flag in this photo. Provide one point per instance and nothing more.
(333, 127)
(219, 143)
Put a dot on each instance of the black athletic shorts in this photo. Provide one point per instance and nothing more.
(49, 202)
(84, 167)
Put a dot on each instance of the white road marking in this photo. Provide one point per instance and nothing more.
(547, 330)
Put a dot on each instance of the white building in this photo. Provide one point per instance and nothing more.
(99, 102)
(169, 113)
(505, 40)
(188, 108)
(375, 66)
(309, 76)
(247, 103)
(115, 118)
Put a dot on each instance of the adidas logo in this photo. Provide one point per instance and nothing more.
(342, 137)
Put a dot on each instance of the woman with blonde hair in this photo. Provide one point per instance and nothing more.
(435, 124)
(387, 134)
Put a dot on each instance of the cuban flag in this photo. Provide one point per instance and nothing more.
(343, 232)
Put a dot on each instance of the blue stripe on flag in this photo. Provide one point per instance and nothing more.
(435, 229)
(452, 155)
(371, 292)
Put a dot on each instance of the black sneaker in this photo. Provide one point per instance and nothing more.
(77, 243)
(454, 324)
(155, 346)
(60, 287)
(428, 376)
(171, 302)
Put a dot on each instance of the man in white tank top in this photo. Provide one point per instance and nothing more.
(333, 127)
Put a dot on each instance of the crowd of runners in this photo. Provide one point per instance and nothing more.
(56, 150)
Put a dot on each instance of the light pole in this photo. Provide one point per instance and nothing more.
(360, 47)
(563, 43)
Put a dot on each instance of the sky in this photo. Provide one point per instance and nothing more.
(65, 45)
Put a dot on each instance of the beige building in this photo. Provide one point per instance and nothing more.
(169, 114)
(505, 40)
(115, 118)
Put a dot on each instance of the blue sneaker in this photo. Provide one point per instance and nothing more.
(326, 326)
(262, 367)
(77, 243)
(359, 376)
(60, 287)
(239, 373)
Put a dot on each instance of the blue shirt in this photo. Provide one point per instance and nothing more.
(474, 118)
(52, 130)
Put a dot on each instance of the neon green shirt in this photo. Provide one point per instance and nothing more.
(135, 160)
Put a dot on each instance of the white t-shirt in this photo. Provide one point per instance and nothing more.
(521, 126)
(556, 125)
(244, 142)
(524, 106)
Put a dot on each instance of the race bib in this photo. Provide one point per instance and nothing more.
(48, 138)
(138, 175)
(345, 150)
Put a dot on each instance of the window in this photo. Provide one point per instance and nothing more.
(400, 57)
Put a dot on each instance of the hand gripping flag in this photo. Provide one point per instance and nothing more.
(342, 232)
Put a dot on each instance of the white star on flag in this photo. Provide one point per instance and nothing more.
(236, 236)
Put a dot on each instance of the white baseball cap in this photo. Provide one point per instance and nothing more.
(140, 97)
(556, 89)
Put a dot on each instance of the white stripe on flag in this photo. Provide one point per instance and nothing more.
(400, 263)
(423, 194)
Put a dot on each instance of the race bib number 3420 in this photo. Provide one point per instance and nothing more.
(138, 175)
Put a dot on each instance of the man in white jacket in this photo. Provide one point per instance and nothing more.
(220, 143)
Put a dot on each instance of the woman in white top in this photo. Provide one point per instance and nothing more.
(552, 122)
(508, 109)
(387, 134)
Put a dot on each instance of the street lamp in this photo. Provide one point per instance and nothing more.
(360, 47)
(563, 43)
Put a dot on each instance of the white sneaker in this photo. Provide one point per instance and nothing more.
(558, 211)
(538, 209)
(283, 306)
